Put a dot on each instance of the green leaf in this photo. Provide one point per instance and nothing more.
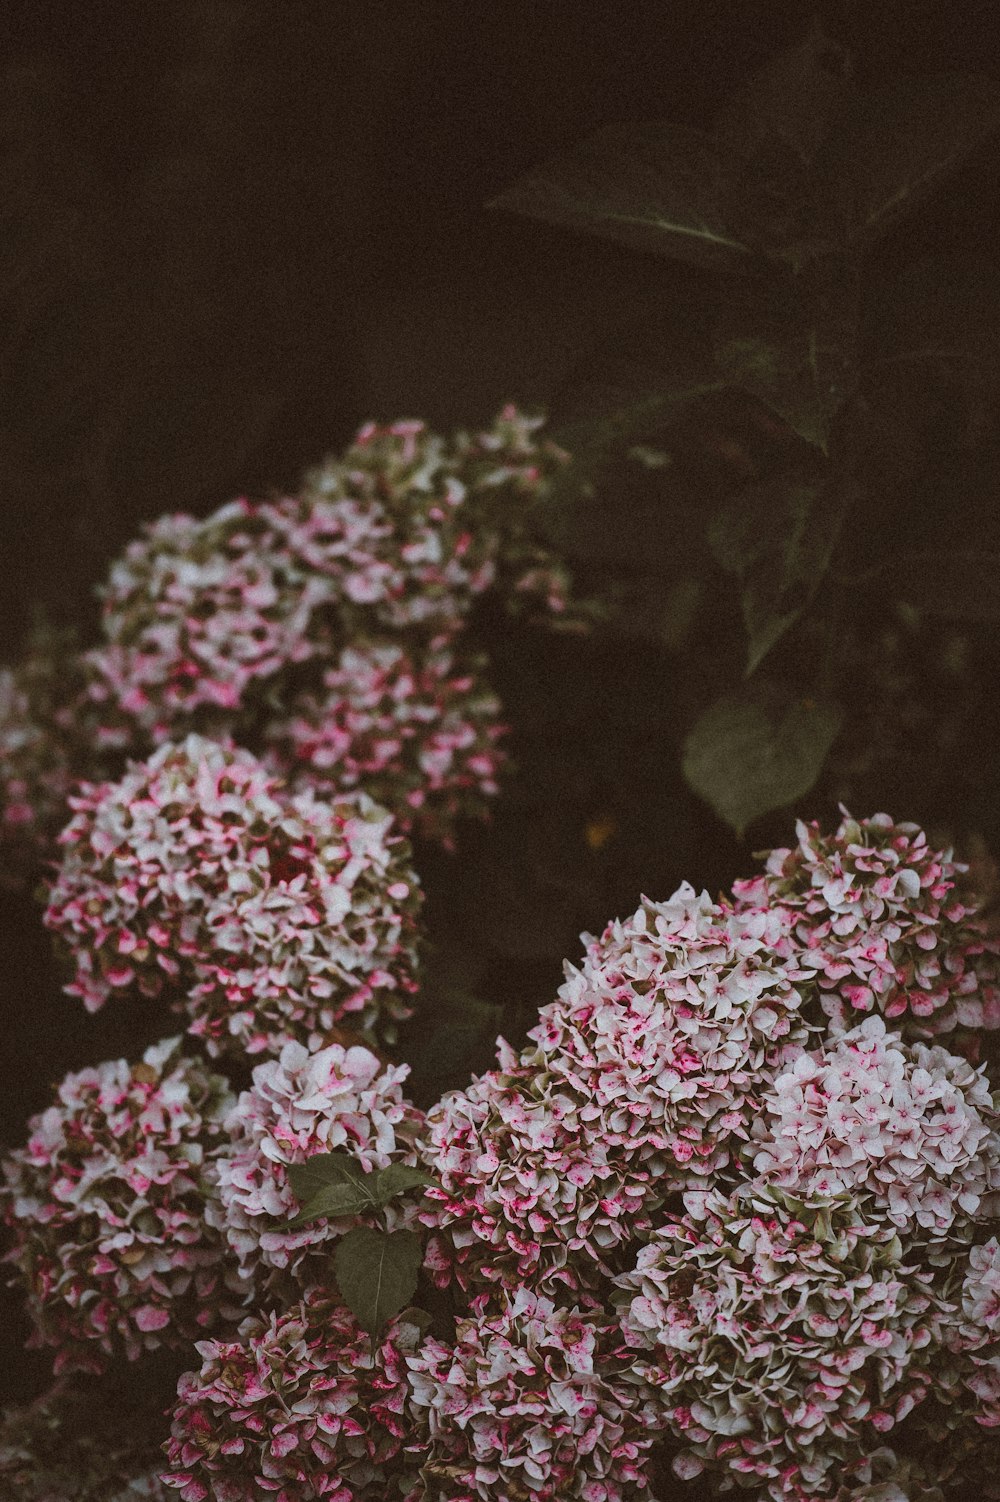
(395, 1180)
(377, 1273)
(792, 344)
(758, 750)
(653, 186)
(899, 143)
(778, 539)
(331, 1184)
(795, 98)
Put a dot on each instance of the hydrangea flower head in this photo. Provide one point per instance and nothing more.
(876, 911)
(334, 1099)
(638, 1080)
(777, 1348)
(263, 917)
(196, 612)
(105, 1208)
(302, 1405)
(417, 731)
(402, 532)
(526, 1404)
(909, 1131)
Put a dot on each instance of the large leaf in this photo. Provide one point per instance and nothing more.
(778, 539)
(654, 186)
(377, 1273)
(758, 750)
(795, 98)
(899, 143)
(792, 343)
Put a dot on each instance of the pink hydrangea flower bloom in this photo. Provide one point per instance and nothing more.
(418, 732)
(526, 1404)
(401, 532)
(197, 611)
(105, 1208)
(875, 910)
(300, 1406)
(262, 917)
(636, 1081)
(908, 1131)
(334, 1099)
(777, 1348)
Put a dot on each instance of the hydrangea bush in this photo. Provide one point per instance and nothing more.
(701, 1220)
(731, 1209)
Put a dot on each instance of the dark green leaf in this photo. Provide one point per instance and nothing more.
(323, 1170)
(615, 417)
(336, 1200)
(758, 750)
(397, 1179)
(792, 344)
(778, 539)
(377, 1273)
(899, 143)
(654, 186)
(795, 98)
(331, 1184)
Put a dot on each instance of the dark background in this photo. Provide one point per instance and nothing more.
(231, 232)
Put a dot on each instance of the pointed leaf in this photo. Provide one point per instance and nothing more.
(377, 1273)
(795, 98)
(331, 1184)
(324, 1169)
(899, 144)
(654, 186)
(778, 538)
(792, 344)
(757, 751)
(397, 1179)
(332, 1202)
